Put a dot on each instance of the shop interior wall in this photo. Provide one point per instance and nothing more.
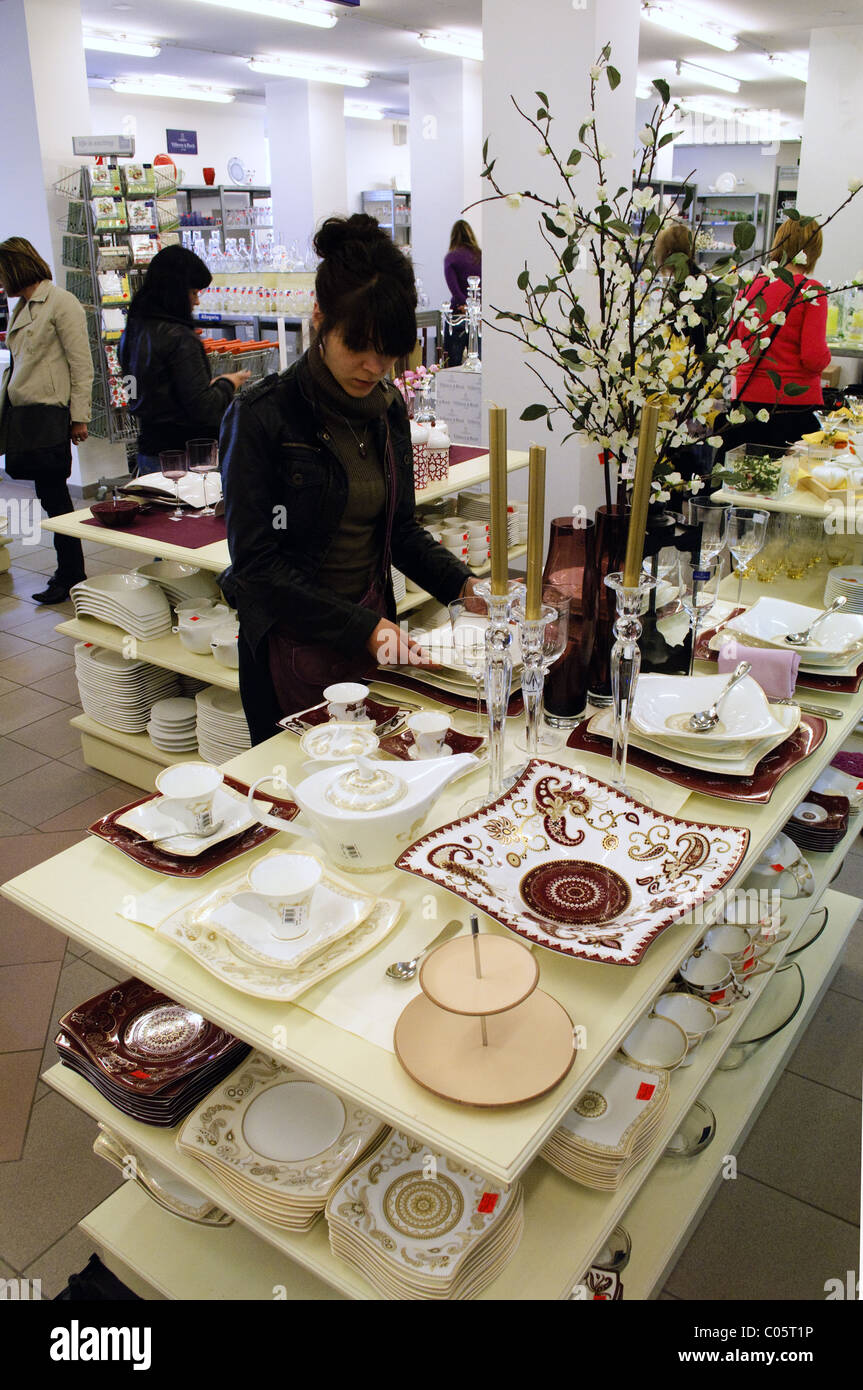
(373, 160)
(755, 165)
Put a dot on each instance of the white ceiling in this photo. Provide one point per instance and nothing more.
(208, 44)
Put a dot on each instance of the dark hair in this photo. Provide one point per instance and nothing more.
(462, 234)
(365, 287)
(170, 276)
(21, 265)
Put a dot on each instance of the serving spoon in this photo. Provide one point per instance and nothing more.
(801, 639)
(706, 719)
(407, 969)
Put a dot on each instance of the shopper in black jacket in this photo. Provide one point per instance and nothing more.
(173, 397)
(319, 492)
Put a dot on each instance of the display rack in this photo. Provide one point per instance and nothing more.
(223, 221)
(391, 208)
(675, 200)
(784, 192)
(720, 212)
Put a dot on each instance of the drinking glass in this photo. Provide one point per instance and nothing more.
(699, 590)
(554, 618)
(712, 517)
(203, 456)
(468, 636)
(747, 532)
(175, 465)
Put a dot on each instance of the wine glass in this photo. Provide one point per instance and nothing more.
(174, 465)
(699, 590)
(468, 637)
(712, 517)
(203, 456)
(554, 615)
(747, 532)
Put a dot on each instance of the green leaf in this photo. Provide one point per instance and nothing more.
(652, 223)
(603, 212)
(567, 258)
(485, 150)
(543, 98)
(605, 54)
(613, 77)
(793, 388)
(744, 235)
(534, 412)
(785, 276)
(667, 138)
(663, 89)
(541, 114)
(571, 355)
(523, 280)
(775, 379)
(759, 305)
(552, 226)
(574, 156)
(548, 422)
(792, 214)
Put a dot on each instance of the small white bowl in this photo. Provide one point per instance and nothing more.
(656, 1042)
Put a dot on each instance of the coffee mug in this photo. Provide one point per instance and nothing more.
(429, 731)
(346, 702)
(286, 884)
(188, 790)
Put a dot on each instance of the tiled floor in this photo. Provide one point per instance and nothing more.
(787, 1224)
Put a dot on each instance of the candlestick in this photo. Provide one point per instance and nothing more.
(641, 488)
(535, 531)
(497, 488)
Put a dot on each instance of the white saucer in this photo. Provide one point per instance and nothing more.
(228, 806)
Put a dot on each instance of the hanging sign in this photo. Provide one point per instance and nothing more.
(182, 141)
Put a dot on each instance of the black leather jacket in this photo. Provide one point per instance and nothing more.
(174, 398)
(285, 494)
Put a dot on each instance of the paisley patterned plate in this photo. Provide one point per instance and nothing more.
(576, 866)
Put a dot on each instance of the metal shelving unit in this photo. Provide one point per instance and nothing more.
(221, 222)
(391, 208)
(752, 208)
(784, 192)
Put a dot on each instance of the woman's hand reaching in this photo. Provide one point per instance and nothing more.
(390, 645)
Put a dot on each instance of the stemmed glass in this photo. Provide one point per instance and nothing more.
(174, 465)
(712, 517)
(468, 637)
(747, 532)
(203, 456)
(699, 590)
(552, 631)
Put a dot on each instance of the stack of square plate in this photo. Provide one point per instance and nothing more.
(127, 601)
(819, 822)
(612, 1125)
(159, 1182)
(150, 1057)
(173, 726)
(118, 692)
(222, 730)
(180, 582)
(419, 1227)
(847, 580)
(278, 1142)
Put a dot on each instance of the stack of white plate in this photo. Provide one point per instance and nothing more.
(846, 580)
(277, 1142)
(118, 692)
(190, 685)
(127, 601)
(612, 1125)
(180, 582)
(476, 506)
(222, 729)
(399, 584)
(423, 1230)
(173, 726)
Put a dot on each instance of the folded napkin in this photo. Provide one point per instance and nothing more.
(775, 671)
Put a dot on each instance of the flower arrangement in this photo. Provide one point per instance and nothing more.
(411, 383)
(677, 339)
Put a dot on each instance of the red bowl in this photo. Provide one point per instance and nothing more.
(121, 513)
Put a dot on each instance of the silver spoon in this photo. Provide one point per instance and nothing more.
(707, 719)
(800, 639)
(182, 834)
(406, 969)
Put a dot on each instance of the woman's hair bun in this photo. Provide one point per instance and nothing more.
(336, 233)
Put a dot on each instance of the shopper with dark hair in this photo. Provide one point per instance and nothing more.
(45, 395)
(462, 260)
(319, 490)
(173, 397)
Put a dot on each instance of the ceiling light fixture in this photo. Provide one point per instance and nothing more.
(790, 65)
(454, 45)
(297, 12)
(720, 80)
(694, 26)
(288, 67)
(169, 89)
(121, 43)
(362, 111)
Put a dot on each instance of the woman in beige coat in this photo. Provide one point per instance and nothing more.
(45, 394)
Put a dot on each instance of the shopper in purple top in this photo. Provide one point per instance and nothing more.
(464, 258)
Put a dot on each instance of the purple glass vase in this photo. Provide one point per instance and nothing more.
(570, 568)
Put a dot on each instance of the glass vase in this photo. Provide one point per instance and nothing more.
(571, 569)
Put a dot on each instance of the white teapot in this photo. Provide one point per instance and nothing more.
(364, 814)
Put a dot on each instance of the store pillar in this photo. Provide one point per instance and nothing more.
(832, 148)
(306, 131)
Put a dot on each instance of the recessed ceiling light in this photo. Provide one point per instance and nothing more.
(169, 89)
(694, 26)
(696, 73)
(121, 43)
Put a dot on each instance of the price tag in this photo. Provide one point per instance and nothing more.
(144, 1075)
(645, 1091)
(488, 1202)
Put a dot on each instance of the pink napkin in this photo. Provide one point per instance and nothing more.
(775, 671)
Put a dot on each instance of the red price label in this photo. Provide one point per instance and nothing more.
(145, 1075)
(488, 1202)
(778, 868)
(645, 1091)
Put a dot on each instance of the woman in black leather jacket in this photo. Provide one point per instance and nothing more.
(173, 397)
(319, 495)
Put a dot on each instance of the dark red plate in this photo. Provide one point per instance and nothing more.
(822, 835)
(842, 685)
(311, 718)
(180, 866)
(758, 788)
(400, 745)
(446, 698)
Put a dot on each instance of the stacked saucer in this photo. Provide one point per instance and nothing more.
(173, 726)
(611, 1126)
(476, 506)
(419, 1227)
(846, 580)
(278, 1142)
(819, 822)
(127, 601)
(150, 1057)
(222, 729)
(118, 692)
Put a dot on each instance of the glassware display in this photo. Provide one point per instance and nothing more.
(699, 590)
(712, 518)
(203, 459)
(472, 316)
(747, 532)
(174, 465)
(570, 569)
(468, 636)
(543, 642)
(631, 602)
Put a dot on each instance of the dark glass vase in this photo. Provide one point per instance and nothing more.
(571, 569)
(611, 528)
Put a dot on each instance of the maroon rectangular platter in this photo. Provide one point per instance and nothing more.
(179, 866)
(378, 713)
(756, 789)
(442, 697)
(842, 685)
(400, 745)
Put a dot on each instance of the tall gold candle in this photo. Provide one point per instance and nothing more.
(497, 489)
(640, 495)
(535, 531)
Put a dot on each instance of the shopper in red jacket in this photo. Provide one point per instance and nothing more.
(798, 351)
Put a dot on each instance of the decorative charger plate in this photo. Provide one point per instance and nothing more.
(427, 684)
(571, 864)
(401, 745)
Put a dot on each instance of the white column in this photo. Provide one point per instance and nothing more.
(832, 148)
(548, 46)
(446, 161)
(306, 130)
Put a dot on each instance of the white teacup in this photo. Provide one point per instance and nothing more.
(346, 702)
(735, 943)
(286, 883)
(188, 790)
(711, 975)
(429, 731)
(694, 1015)
(656, 1042)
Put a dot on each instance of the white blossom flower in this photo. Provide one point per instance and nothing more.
(602, 194)
(715, 441)
(763, 416)
(674, 479)
(810, 293)
(513, 200)
(854, 185)
(778, 318)
(663, 496)
(800, 258)
(595, 71)
(647, 135)
(543, 149)
(570, 170)
(644, 199)
(604, 152)
(696, 484)
(736, 417)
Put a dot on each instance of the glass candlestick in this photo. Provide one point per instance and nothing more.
(498, 681)
(543, 640)
(625, 665)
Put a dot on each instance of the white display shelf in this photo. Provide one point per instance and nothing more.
(213, 557)
(415, 599)
(131, 758)
(180, 1260)
(140, 744)
(167, 651)
(468, 474)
